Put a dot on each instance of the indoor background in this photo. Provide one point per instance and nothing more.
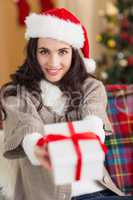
(12, 40)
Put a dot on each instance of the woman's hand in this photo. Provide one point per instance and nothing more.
(42, 155)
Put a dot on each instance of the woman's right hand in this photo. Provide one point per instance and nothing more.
(43, 156)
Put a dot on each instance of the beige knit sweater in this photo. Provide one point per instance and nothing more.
(33, 182)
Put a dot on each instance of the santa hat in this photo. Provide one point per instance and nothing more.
(62, 25)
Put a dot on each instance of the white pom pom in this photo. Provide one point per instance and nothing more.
(90, 65)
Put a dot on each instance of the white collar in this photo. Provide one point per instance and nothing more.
(52, 96)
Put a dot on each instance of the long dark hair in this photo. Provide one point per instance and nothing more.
(29, 75)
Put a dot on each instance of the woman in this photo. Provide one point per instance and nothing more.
(53, 85)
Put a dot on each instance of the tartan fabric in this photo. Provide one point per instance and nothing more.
(119, 159)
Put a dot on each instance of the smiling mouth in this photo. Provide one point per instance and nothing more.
(53, 72)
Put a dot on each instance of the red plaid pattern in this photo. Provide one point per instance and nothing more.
(119, 159)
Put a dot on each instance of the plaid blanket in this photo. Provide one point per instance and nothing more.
(119, 159)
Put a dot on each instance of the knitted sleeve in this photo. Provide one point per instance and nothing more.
(95, 102)
(22, 119)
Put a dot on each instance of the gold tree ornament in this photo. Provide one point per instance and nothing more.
(111, 43)
(111, 10)
(99, 38)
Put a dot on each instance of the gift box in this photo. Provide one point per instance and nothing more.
(76, 152)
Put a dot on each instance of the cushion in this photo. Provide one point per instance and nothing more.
(119, 159)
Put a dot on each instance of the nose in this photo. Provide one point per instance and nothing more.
(54, 61)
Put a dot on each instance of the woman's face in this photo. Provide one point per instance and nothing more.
(54, 58)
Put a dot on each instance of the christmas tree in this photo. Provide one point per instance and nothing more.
(115, 65)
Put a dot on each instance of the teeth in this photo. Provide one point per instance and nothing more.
(53, 70)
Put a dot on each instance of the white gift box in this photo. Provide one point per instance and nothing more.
(64, 158)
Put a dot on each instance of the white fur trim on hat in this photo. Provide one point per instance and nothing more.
(28, 144)
(90, 65)
(39, 25)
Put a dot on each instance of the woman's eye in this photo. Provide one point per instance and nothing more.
(44, 52)
(63, 52)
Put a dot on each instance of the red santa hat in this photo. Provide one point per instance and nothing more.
(62, 25)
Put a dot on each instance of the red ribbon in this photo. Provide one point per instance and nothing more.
(75, 137)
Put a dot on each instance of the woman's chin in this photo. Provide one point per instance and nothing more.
(53, 79)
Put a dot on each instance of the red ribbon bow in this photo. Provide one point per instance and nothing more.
(75, 137)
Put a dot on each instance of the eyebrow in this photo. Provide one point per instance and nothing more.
(64, 48)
